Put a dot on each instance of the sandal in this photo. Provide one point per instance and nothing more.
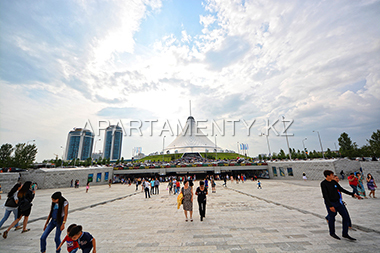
(5, 234)
(191, 220)
(187, 220)
(26, 230)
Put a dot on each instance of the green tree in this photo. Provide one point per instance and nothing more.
(374, 143)
(281, 154)
(347, 147)
(329, 153)
(6, 155)
(24, 155)
(122, 160)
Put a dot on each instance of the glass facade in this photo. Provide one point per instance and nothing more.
(113, 142)
(79, 144)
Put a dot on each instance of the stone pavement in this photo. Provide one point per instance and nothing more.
(283, 216)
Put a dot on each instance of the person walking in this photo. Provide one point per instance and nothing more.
(25, 197)
(56, 219)
(201, 192)
(353, 182)
(333, 205)
(336, 178)
(187, 192)
(146, 188)
(157, 186)
(152, 187)
(360, 186)
(371, 185)
(11, 205)
(170, 186)
(87, 186)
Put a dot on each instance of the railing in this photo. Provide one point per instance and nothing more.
(188, 165)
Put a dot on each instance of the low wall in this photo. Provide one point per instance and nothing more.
(314, 168)
(8, 180)
(61, 177)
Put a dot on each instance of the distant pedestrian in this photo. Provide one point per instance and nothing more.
(187, 192)
(259, 185)
(201, 192)
(72, 246)
(361, 189)
(109, 183)
(304, 176)
(170, 186)
(353, 182)
(371, 185)
(156, 186)
(25, 197)
(11, 205)
(342, 174)
(178, 186)
(213, 185)
(71, 183)
(137, 184)
(85, 240)
(331, 196)
(225, 181)
(56, 220)
(146, 188)
(87, 186)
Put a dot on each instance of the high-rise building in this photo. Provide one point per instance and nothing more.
(79, 144)
(112, 142)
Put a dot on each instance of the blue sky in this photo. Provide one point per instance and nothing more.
(65, 63)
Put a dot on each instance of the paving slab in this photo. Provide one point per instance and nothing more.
(284, 216)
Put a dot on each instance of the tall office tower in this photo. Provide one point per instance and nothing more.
(79, 144)
(112, 142)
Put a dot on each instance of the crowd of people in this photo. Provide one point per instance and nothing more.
(19, 201)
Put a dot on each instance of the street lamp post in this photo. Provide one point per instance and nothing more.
(163, 148)
(268, 146)
(304, 149)
(216, 151)
(287, 141)
(320, 142)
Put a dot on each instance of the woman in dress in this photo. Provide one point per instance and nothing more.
(11, 205)
(371, 185)
(361, 189)
(25, 197)
(187, 192)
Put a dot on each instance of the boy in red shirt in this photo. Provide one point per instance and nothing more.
(353, 182)
(72, 246)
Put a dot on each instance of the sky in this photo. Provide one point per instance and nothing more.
(76, 63)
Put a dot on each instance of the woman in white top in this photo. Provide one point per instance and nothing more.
(11, 205)
(57, 217)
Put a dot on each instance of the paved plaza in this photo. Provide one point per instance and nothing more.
(283, 216)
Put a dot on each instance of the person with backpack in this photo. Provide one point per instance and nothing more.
(11, 205)
(25, 197)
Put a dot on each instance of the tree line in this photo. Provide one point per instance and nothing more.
(20, 156)
(347, 148)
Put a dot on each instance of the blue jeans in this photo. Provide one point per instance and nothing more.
(6, 216)
(52, 224)
(341, 209)
(355, 188)
(74, 250)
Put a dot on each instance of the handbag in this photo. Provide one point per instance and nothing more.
(11, 202)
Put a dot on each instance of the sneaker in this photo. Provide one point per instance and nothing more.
(335, 236)
(349, 237)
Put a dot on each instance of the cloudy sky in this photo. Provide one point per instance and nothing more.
(66, 63)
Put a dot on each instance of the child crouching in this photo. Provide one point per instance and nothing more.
(72, 246)
(85, 240)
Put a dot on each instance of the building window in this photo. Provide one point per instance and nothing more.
(106, 176)
(281, 171)
(90, 177)
(290, 172)
(98, 177)
(274, 171)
